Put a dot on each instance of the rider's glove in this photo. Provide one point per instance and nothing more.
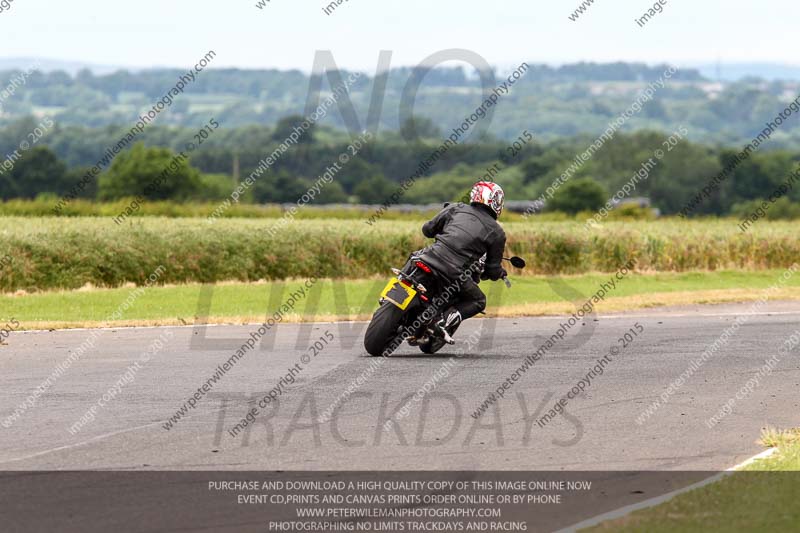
(500, 274)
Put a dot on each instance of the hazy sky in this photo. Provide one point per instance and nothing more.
(285, 34)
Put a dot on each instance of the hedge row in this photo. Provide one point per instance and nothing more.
(48, 253)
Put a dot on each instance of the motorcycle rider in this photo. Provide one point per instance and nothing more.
(464, 235)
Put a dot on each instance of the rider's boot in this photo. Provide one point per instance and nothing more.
(451, 318)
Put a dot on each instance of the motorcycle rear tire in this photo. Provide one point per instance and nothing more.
(382, 334)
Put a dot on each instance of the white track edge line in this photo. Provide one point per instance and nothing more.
(546, 317)
(652, 502)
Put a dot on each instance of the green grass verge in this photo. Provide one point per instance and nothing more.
(763, 496)
(356, 298)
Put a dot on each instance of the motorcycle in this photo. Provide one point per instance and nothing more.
(410, 306)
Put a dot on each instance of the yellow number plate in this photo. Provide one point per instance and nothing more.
(399, 294)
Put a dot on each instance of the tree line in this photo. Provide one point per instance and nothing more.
(52, 168)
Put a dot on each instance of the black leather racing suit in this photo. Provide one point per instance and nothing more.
(464, 233)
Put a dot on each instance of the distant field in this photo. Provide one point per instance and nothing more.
(67, 253)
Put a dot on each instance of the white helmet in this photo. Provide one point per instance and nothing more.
(489, 194)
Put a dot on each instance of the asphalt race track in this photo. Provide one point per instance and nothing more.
(598, 430)
(333, 416)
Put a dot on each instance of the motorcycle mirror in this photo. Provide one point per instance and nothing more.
(517, 262)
